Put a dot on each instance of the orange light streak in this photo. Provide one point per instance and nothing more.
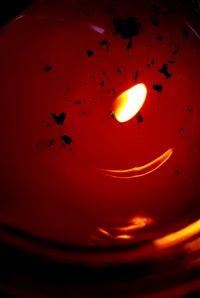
(139, 171)
(179, 236)
(135, 224)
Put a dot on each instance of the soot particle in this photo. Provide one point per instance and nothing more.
(78, 102)
(136, 75)
(105, 43)
(59, 119)
(127, 28)
(66, 139)
(51, 142)
(164, 70)
(48, 68)
(90, 53)
(139, 118)
(119, 71)
(159, 38)
(175, 52)
(181, 129)
(158, 88)
(129, 45)
(113, 90)
(102, 83)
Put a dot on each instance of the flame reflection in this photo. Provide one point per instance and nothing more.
(126, 232)
(179, 236)
(139, 171)
(136, 223)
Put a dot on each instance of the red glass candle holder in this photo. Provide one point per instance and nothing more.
(79, 184)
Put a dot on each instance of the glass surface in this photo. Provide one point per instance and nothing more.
(74, 179)
(99, 127)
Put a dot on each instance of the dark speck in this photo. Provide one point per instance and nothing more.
(136, 75)
(66, 139)
(119, 70)
(104, 72)
(158, 88)
(171, 61)
(148, 65)
(127, 28)
(48, 68)
(189, 110)
(90, 53)
(105, 43)
(153, 62)
(175, 52)
(159, 38)
(59, 119)
(164, 70)
(181, 129)
(129, 45)
(139, 118)
(78, 102)
(51, 142)
(102, 83)
(112, 115)
(177, 172)
(113, 90)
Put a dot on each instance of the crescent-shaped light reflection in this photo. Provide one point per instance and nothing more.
(140, 170)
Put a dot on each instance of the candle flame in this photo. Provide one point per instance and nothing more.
(129, 103)
(141, 170)
(179, 236)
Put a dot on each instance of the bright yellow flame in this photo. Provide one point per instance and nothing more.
(140, 171)
(179, 236)
(128, 104)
